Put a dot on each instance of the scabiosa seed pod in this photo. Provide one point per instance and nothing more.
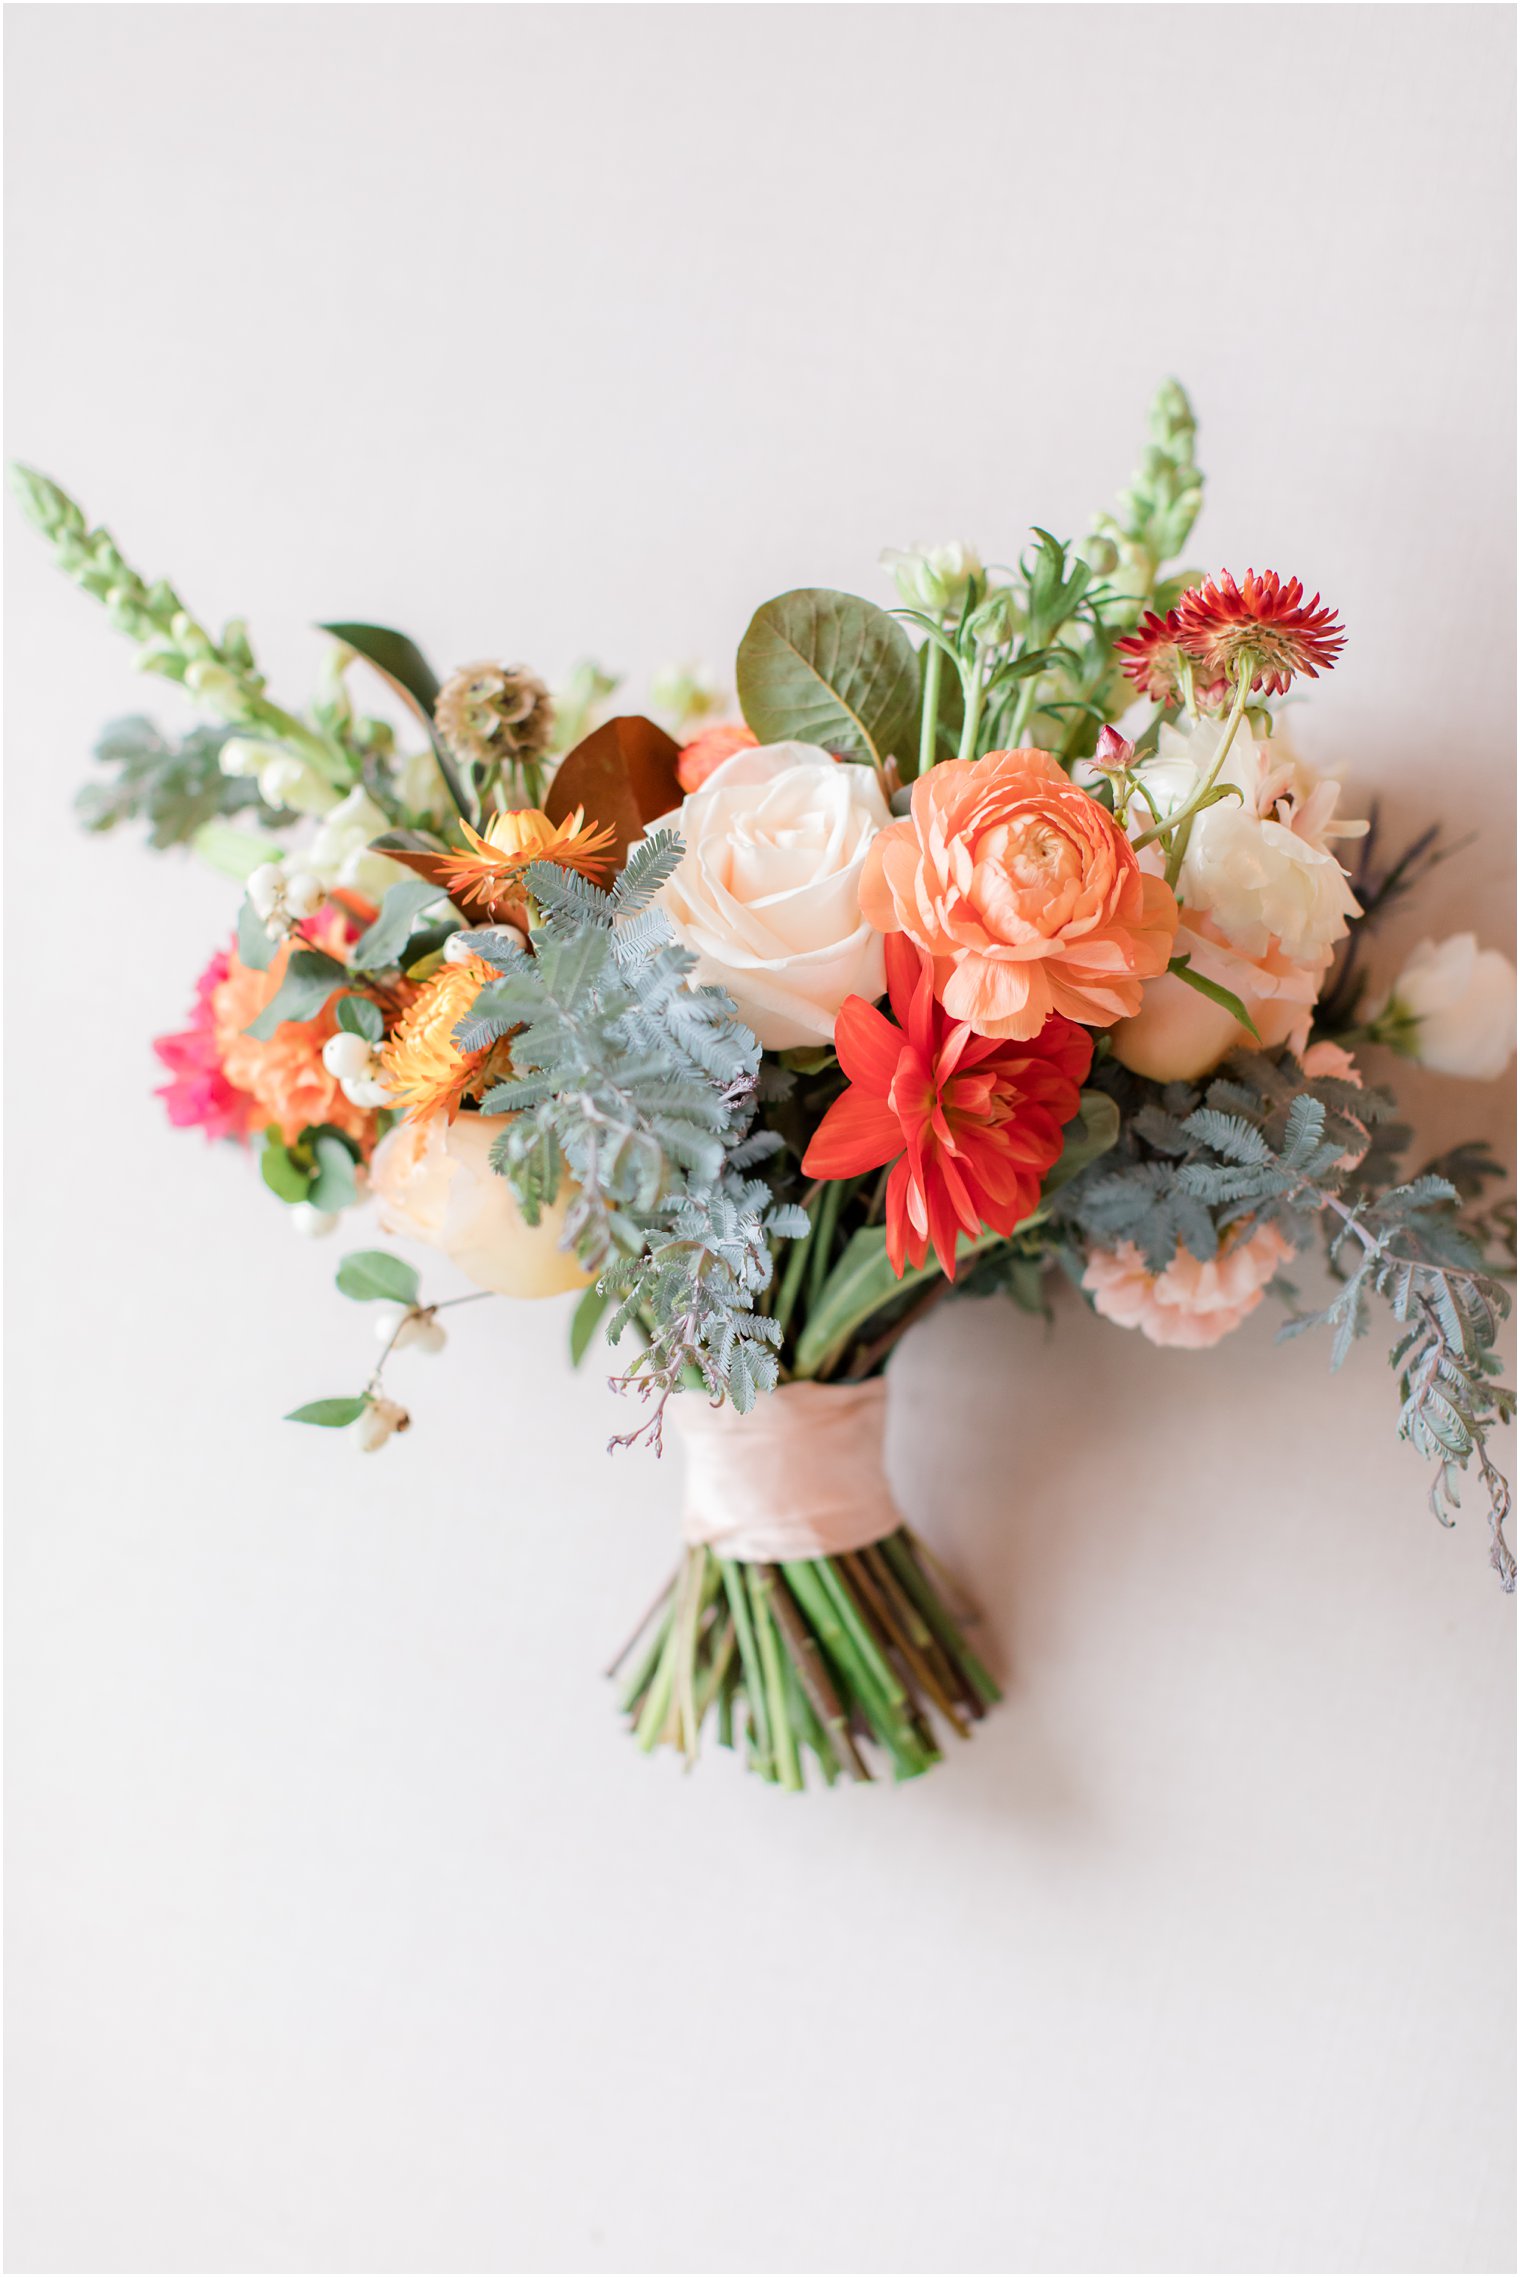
(495, 715)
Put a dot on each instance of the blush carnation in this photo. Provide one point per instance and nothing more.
(1192, 1303)
(1026, 894)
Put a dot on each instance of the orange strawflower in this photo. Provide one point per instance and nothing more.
(491, 872)
(424, 1066)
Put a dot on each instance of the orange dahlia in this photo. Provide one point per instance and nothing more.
(1263, 624)
(427, 1071)
(489, 876)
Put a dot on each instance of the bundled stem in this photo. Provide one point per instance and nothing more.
(838, 1658)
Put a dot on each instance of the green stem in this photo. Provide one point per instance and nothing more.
(1180, 824)
(788, 1769)
(749, 1658)
(971, 682)
(928, 737)
(829, 1207)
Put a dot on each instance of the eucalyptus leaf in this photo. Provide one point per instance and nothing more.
(369, 1275)
(332, 1414)
(310, 978)
(585, 1322)
(822, 667)
(404, 902)
(280, 1171)
(256, 944)
(334, 1187)
(360, 1016)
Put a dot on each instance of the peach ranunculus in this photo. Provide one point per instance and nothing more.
(1024, 891)
(284, 1075)
(433, 1181)
(1191, 1303)
(1179, 1034)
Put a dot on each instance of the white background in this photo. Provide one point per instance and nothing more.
(347, 1931)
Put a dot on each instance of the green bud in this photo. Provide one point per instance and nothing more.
(51, 509)
(219, 690)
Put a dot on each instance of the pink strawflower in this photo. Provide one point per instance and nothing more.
(1191, 1303)
(199, 1095)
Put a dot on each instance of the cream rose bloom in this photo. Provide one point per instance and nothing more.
(433, 1181)
(767, 894)
(1455, 1006)
(1261, 866)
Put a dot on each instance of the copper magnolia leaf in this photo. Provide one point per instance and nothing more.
(623, 775)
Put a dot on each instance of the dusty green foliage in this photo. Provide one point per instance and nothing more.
(174, 787)
(1265, 1145)
(644, 1087)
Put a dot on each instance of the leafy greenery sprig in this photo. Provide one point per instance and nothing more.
(1266, 1145)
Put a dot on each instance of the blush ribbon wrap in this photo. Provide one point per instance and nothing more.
(801, 1476)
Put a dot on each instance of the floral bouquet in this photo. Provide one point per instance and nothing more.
(1000, 936)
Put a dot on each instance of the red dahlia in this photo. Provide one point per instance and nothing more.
(1262, 621)
(969, 1124)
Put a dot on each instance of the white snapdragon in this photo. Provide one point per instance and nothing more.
(284, 778)
(1261, 865)
(934, 578)
(339, 853)
(357, 1067)
(1452, 1008)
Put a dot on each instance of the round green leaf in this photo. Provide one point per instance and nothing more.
(828, 668)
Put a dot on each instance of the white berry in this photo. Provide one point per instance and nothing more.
(311, 1222)
(346, 1055)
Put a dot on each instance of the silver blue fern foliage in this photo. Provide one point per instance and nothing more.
(641, 1086)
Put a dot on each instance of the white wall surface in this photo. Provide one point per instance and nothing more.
(346, 1930)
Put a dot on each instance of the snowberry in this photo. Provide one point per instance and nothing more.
(311, 1222)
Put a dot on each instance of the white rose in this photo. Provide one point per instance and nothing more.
(768, 891)
(1455, 1006)
(1259, 865)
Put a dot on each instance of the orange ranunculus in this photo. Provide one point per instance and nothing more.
(285, 1076)
(709, 750)
(1024, 891)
